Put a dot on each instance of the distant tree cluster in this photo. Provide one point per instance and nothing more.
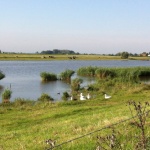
(57, 51)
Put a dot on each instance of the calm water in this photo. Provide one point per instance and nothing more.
(24, 76)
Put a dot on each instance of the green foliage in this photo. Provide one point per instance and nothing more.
(66, 75)
(65, 96)
(75, 84)
(45, 98)
(87, 71)
(64, 121)
(130, 74)
(124, 55)
(2, 75)
(102, 72)
(6, 95)
(22, 101)
(48, 76)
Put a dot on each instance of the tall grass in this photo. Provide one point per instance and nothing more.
(66, 75)
(45, 97)
(123, 74)
(75, 84)
(48, 76)
(87, 71)
(6, 95)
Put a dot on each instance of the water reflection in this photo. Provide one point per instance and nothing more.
(54, 88)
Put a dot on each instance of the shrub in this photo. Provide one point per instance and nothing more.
(45, 97)
(6, 95)
(48, 76)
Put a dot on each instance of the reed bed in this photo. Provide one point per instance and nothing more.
(46, 76)
(66, 75)
(122, 74)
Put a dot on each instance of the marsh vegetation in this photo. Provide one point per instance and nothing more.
(26, 120)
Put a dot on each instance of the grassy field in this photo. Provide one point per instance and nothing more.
(27, 125)
(62, 57)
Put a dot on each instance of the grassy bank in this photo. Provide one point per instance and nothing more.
(63, 57)
(27, 124)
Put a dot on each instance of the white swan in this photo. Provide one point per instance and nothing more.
(88, 96)
(82, 97)
(107, 96)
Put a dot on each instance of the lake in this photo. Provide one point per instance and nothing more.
(23, 77)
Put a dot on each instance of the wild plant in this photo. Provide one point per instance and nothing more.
(87, 71)
(65, 96)
(109, 142)
(6, 95)
(75, 84)
(130, 74)
(140, 115)
(66, 75)
(45, 98)
(48, 76)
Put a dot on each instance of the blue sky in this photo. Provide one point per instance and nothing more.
(85, 26)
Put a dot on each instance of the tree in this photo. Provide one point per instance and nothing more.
(124, 55)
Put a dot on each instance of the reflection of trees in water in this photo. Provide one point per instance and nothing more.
(1, 89)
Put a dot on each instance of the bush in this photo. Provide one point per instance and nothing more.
(48, 76)
(6, 95)
(45, 97)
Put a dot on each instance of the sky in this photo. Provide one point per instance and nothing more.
(84, 26)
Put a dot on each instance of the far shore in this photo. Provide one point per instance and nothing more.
(48, 57)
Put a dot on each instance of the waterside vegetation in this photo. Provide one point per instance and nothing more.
(29, 123)
(46, 76)
(6, 95)
(124, 74)
(66, 75)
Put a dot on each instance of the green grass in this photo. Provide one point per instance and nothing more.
(27, 125)
(63, 57)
